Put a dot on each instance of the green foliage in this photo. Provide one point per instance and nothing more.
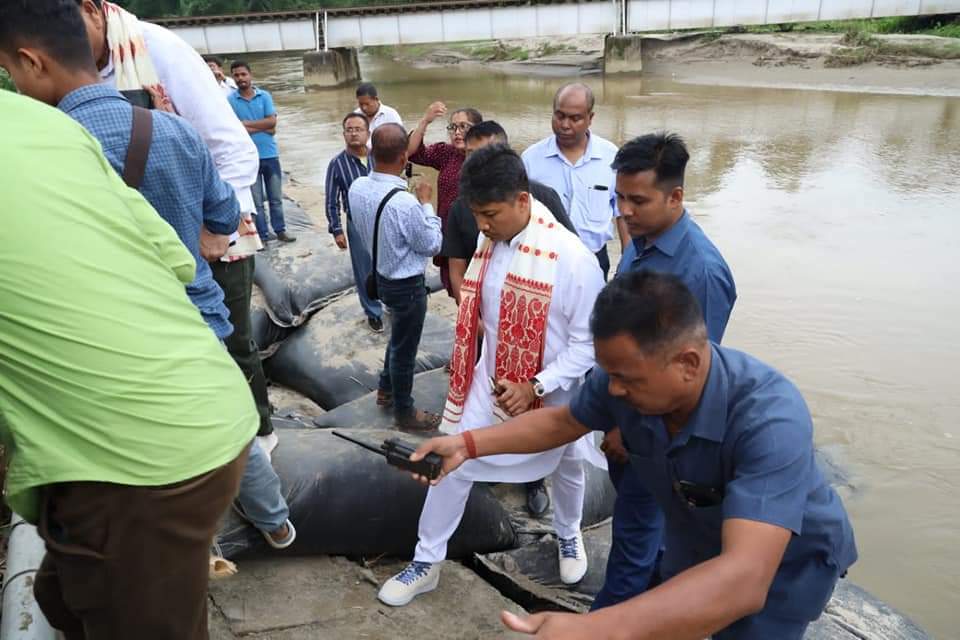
(945, 25)
(5, 82)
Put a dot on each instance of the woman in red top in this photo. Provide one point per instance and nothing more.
(447, 158)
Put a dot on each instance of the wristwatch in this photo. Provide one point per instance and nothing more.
(538, 389)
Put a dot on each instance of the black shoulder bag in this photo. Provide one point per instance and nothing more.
(373, 291)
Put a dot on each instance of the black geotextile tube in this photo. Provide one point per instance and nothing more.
(335, 358)
(345, 500)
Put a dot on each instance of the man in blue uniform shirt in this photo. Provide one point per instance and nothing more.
(755, 537)
(649, 189)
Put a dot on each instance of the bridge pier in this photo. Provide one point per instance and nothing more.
(621, 54)
(324, 69)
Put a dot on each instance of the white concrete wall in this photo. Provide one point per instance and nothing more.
(497, 23)
(462, 25)
(294, 35)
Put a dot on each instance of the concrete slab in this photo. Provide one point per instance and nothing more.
(321, 598)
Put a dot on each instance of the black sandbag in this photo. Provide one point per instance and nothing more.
(335, 358)
(345, 500)
(530, 576)
(429, 394)
(299, 278)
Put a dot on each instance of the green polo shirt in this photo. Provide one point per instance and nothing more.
(107, 370)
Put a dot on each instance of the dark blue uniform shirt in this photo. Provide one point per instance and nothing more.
(685, 251)
(750, 441)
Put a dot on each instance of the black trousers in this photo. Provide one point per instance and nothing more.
(236, 280)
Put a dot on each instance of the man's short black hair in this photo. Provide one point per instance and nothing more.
(654, 308)
(664, 153)
(474, 116)
(487, 129)
(55, 26)
(214, 59)
(367, 89)
(240, 63)
(494, 173)
(389, 143)
(353, 114)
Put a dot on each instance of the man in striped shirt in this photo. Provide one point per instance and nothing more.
(344, 168)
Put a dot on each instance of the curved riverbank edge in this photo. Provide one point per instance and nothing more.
(894, 64)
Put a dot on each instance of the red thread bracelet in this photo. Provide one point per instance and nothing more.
(471, 445)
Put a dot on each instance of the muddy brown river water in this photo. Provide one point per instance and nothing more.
(839, 214)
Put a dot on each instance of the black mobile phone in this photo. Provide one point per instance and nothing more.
(698, 495)
(601, 187)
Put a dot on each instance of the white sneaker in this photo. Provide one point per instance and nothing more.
(268, 443)
(573, 559)
(417, 578)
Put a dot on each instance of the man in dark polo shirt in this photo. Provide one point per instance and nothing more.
(460, 236)
(460, 243)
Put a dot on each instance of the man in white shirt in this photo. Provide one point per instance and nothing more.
(529, 292)
(368, 103)
(576, 164)
(226, 83)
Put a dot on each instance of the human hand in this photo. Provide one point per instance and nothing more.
(158, 96)
(341, 241)
(423, 191)
(213, 246)
(612, 445)
(453, 450)
(550, 625)
(515, 397)
(434, 111)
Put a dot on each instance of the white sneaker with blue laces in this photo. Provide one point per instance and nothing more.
(573, 559)
(416, 578)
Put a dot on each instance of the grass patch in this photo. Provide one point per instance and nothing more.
(944, 25)
(861, 47)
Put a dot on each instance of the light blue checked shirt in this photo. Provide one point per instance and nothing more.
(180, 182)
(586, 187)
(409, 231)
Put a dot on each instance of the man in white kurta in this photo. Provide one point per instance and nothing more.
(514, 223)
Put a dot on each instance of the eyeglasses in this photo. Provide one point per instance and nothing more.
(462, 127)
(354, 130)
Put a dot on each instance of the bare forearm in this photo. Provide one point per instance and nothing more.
(530, 432)
(263, 124)
(458, 267)
(416, 137)
(623, 232)
(691, 606)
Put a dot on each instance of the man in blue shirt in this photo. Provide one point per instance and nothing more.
(180, 181)
(756, 538)
(409, 234)
(649, 189)
(255, 109)
(344, 168)
(575, 163)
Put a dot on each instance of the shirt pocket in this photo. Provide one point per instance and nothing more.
(599, 211)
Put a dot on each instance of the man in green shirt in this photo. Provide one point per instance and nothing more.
(125, 421)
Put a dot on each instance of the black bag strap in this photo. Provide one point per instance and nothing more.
(376, 223)
(141, 134)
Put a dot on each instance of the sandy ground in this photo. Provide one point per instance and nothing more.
(796, 61)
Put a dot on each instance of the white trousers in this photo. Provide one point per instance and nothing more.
(447, 501)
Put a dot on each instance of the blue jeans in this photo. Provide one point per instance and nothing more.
(635, 545)
(360, 259)
(260, 496)
(407, 301)
(270, 178)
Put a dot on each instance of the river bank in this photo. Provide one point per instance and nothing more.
(854, 61)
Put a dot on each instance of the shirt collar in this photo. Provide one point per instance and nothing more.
(669, 240)
(590, 153)
(88, 93)
(390, 179)
(256, 92)
(709, 420)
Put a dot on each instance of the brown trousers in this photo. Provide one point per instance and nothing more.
(127, 562)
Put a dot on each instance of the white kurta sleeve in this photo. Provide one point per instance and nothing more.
(579, 286)
(199, 100)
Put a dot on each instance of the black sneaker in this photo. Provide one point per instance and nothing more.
(283, 236)
(375, 324)
(538, 500)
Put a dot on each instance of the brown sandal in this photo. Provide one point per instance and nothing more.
(384, 399)
(419, 420)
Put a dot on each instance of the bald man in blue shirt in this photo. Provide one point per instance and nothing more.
(755, 537)
(649, 190)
